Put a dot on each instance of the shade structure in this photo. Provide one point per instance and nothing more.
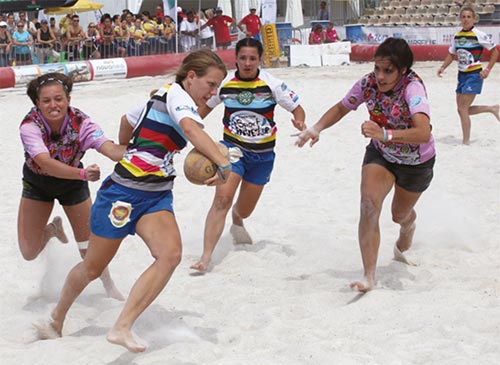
(81, 6)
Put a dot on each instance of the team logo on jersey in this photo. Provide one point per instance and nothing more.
(186, 107)
(119, 215)
(462, 41)
(97, 134)
(245, 97)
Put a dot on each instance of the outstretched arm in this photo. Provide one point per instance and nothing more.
(112, 151)
(332, 116)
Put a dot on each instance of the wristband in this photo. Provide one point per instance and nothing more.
(385, 134)
(389, 135)
(82, 174)
(487, 69)
(221, 169)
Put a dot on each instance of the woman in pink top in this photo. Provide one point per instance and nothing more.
(330, 34)
(400, 153)
(316, 35)
(55, 137)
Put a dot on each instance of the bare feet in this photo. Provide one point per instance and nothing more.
(399, 256)
(48, 330)
(362, 286)
(59, 230)
(240, 235)
(202, 265)
(126, 339)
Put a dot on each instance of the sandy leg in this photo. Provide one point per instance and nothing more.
(110, 287)
(48, 330)
(404, 243)
(240, 235)
(126, 339)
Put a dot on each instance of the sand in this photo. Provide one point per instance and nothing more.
(285, 299)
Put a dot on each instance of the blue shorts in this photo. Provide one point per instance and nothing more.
(117, 208)
(469, 83)
(254, 167)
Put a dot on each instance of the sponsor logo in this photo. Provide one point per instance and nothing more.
(119, 215)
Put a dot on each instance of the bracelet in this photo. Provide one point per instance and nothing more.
(385, 134)
(224, 168)
(487, 69)
(389, 135)
(82, 174)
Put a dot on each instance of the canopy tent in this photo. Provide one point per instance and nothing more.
(80, 7)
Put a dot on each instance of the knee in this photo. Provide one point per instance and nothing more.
(223, 202)
(92, 272)
(403, 217)
(369, 207)
(171, 256)
(28, 250)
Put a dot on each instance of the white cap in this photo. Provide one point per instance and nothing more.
(3, 24)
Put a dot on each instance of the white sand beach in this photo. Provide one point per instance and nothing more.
(285, 299)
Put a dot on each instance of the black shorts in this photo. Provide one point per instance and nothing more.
(414, 178)
(47, 188)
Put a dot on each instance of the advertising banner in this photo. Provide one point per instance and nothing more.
(271, 44)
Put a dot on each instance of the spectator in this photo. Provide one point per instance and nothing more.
(188, 31)
(316, 36)
(5, 44)
(54, 28)
(207, 34)
(159, 12)
(169, 33)
(44, 47)
(90, 48)
(330, 34)
(23, 41)
(323, 12)
(107, 34)
(138, 35)
(74, 34)
(221, 24)
(252, 24)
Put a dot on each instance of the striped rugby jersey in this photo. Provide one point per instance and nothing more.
(148, 162)
(249, 109)
(468, 45)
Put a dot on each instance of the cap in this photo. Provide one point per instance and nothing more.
(44, 21)
(179, 9)
(253, 8)
(218, 9)
(3, 24)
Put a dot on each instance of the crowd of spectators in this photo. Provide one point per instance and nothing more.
(26, 41)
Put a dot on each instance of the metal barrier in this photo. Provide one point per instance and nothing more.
(46, 53)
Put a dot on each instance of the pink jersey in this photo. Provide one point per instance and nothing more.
(393, 110)
(78, 134)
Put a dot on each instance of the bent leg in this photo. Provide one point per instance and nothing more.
(33, 232)
(403, 213)
(464, 102)
(79, 218)
(161, 234)
(478, 109)
(245, 205)
(376, 182)
(100, 252)
(216, 219)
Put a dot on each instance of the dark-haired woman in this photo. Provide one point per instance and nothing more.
(55, 137)
(401, 151)
(137, 197)
(250, 96)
